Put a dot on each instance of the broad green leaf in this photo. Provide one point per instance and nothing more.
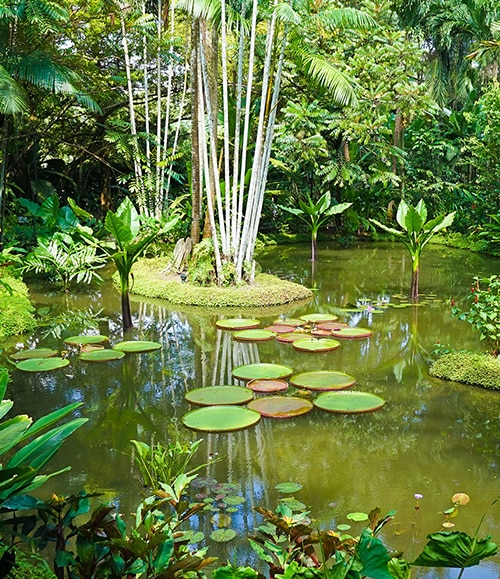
(163, 555)
(374, 556)
(413, 221)
(399, 569)
(5, 406)
(11, 432)
(230, 572)
(396, 232)
(261, 552)
(339, 208)
(422, 210)
(50, 419)
(118, 229)
(4, 380)
(401, 214)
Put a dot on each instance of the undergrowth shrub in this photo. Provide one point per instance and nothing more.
(16, 310)
(478, 369)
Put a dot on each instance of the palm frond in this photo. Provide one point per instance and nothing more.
(13, 98)
(349, 18)
(206, 9)
(285, 13)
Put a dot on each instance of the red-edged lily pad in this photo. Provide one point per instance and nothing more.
(291, 337)
(254, 371)
(349, 402)
(101, 355)
(316, 345)
(319, 318)
(331, 326)
(220, 418)
(86, 339)
(35, 353)
(277, 329)
(237, 324)
(219, 395)
(137, 346)
(42, 364)
(316, 333)
(254, 335)
(352, 333)
(292, 322)
(323, 380)
(265, 386)
(281, 406)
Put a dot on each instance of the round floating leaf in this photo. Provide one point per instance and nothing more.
(281, 406)
(265, 385)
(85, 339)
(35, 353)
(321, 333)
(352, 333)
(220, 418)
(315, 345)
(218, 395)
(277, 329)
(343, 527)
(292, 322)
(323, 380)
(293, 504)
(357, 517)
(234, 500)
(253, 335)
(291, 337)
(237, 324)
(254, 371)
(137, 346)
(329, 326)
(315, 318)
(101, 355)
(223, 535)
(349, 402)
(42, 364)
(288, 487)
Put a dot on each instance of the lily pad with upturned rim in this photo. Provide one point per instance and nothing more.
(323, 380)
(219, 395)
(315, 318)
(137, 346)
(349, 402)
(281, 406)
(352, 333)
(220, 418)
(86, 339)
(102, 356)
(331, 326)
(292, 322)
(291, 337)
(316, 345)
(254, 371)
(42, 364)
(35, 353)
(237, 324)
(265, 385)
(254, 335)
(277, 329)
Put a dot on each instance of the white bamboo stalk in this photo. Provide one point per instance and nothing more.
(146, 89)
(159, 37)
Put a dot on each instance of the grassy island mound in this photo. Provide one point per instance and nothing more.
(477, 369)
(151, 281)
(17, 315)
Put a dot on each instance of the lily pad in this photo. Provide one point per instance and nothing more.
(254, 371)
(278, 329)
(293, 504)
(321, 333)
(281, 406)
(331, 326)
(219, 395)
(220, 418)
(237, 324)
(357, 517)
(315, 318)
(291, 337)
(323, 380)
(288, 487)
(292, 322)
(101, 355)
(223, 535)
(265, 385)
(254, 335)
(42, 364)
(349, 402)
(35, 353)
(315, 345)
(137, 346)
(85, 339)
(352, 333)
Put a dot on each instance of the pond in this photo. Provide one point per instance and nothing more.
(432, 437)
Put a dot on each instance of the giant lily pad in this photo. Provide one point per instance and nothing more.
(291, 337)
(281, 406)
(264, 385)
(349, 402)
(352, 333)
(323, 380)
(319, 318)
(315, 345)
(292, 322)
(331, 326)
(101, 355)
(35, 353)
(220, 418)
(237, 324)
(254, 335)
(137, 346)
(85, 339)
(278, 329)
(218, 395)
(42, 364)
(254, 371)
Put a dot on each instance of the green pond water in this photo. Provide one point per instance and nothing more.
(432, 437)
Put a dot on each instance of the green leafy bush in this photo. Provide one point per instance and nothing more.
(468, 367)
(16, 311)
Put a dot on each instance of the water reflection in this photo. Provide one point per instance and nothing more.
(432, 437)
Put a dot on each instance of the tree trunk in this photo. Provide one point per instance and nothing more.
(414, 281)
(126, 313)
(314, 247)
(196, 127)
(397, 138)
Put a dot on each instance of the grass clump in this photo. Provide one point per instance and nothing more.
(16, 310)
(478, 369)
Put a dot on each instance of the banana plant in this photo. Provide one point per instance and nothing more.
(315, 215)
(131, 237)
(415, 233)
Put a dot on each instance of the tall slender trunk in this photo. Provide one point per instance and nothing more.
(196, 128)
(125, 301)
(397, 138)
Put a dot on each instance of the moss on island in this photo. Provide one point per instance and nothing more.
(17, 314)
(477, 369)
(151, 281)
